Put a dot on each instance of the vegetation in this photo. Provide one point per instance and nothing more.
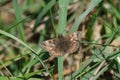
(24, 24)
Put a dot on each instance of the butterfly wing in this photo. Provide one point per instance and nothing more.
(50, 46)
(74, 41)
(74, 36)
(59, 47)
(74, 47)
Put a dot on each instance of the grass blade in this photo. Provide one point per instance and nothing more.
(61, 30)
(24, 44)
(82, 16)
(18, 17)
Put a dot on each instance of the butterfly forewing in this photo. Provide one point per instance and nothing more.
(51, 47)
(74, 36)
(49, 44)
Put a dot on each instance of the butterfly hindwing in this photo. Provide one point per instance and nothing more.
(74, 38)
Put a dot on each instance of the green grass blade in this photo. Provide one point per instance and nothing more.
(42, 13)
(83, 66)
(18, 17)
(82, 16)
(24, 44)
(14, 25)
(10, 78)
(6, 68)
(63, 4)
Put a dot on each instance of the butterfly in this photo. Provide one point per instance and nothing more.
(62, 45)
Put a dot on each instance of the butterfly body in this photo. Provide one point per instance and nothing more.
(62, 45)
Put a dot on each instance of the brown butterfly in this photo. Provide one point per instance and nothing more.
(62, 45)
